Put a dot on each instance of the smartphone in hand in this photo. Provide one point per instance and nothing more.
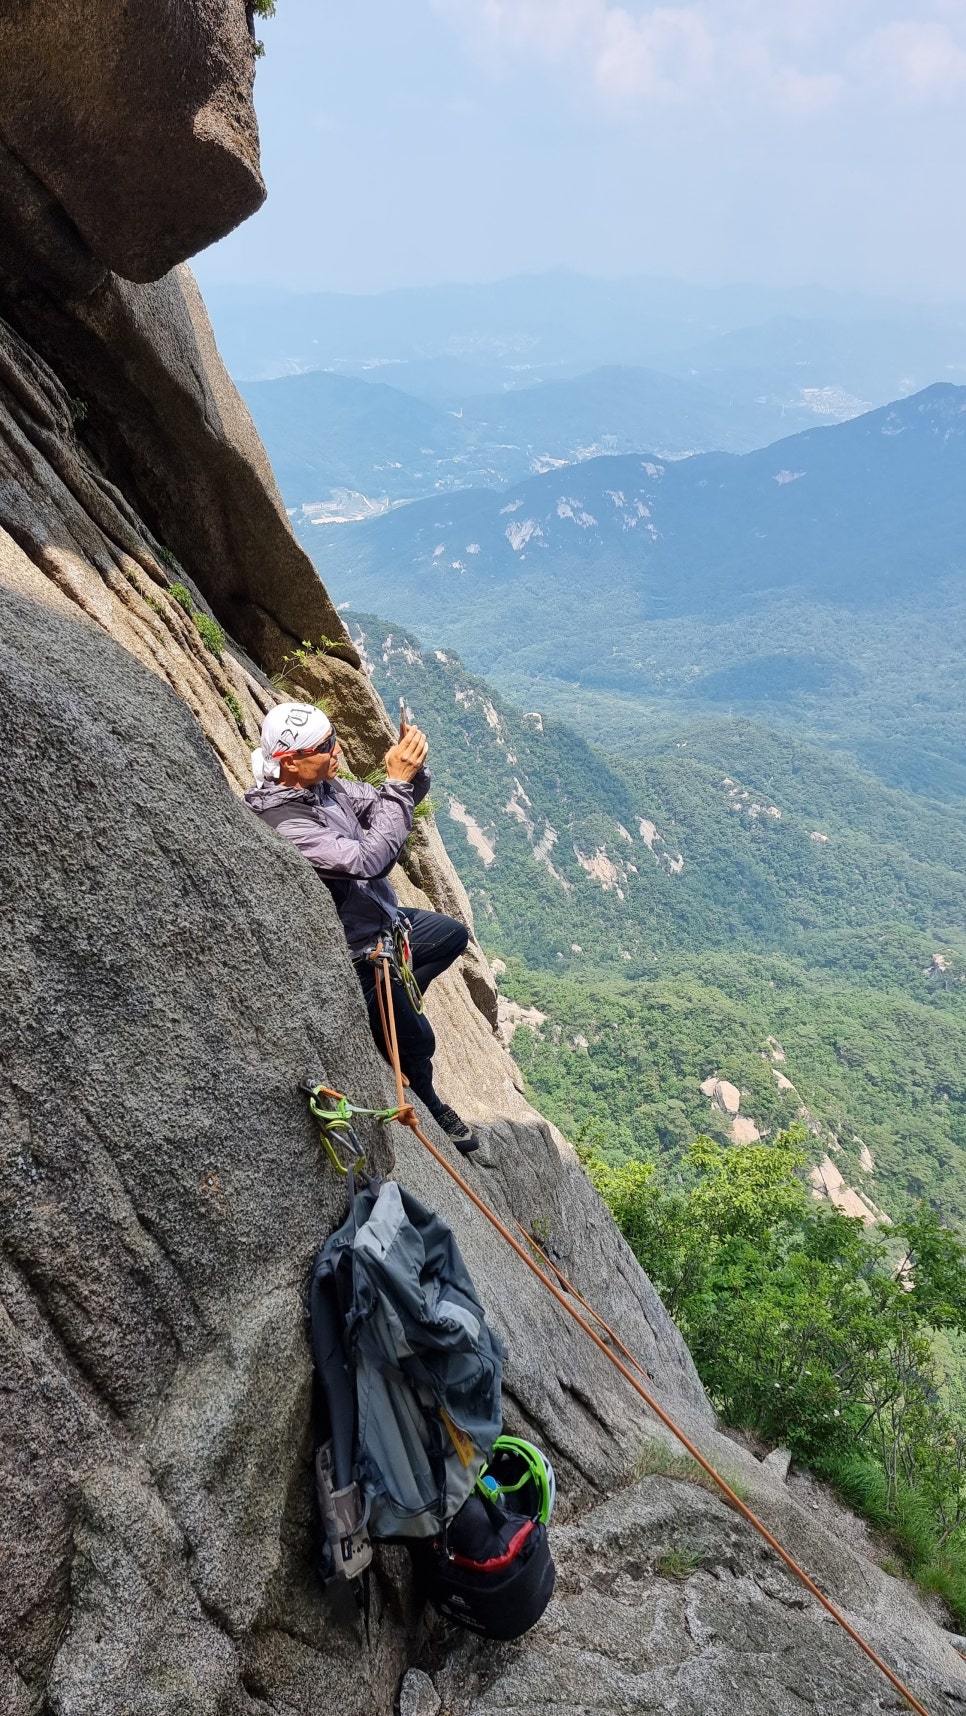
(405, 717)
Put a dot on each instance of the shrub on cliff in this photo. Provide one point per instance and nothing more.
(815, 1333)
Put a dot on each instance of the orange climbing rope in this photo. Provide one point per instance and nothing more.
(569, 1287)
(406, 1116)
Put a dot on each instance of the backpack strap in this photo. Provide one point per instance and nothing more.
(328, 1324)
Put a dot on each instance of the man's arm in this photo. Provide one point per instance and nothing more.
(363, 797)
(335, 854)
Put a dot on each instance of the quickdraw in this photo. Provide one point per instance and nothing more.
(337, 1119)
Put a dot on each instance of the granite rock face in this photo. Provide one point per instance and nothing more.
(161, 1187)
(145, 404)
(175, 970)
(138, 119)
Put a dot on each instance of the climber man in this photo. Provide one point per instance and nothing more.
(353, 834)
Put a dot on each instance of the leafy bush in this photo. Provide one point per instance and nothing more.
(816, 1333)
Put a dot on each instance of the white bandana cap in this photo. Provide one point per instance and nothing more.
(287, 727)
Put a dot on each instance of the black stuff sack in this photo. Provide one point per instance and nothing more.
(490, 1571)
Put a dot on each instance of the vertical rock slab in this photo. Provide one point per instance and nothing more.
(170, 972)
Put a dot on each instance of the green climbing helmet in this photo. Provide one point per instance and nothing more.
(522, 1475)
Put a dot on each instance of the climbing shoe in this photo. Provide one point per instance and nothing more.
(456, 1129)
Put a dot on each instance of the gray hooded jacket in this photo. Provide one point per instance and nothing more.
(392, 1296)
(352, 833)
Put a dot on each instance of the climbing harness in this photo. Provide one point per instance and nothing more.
(399, 955)
(565, 1295)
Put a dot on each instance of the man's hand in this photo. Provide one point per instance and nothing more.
(406, 758)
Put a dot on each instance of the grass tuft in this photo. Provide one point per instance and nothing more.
(657, 1461)
(679, 1563)
(210, 634)
(236, 711)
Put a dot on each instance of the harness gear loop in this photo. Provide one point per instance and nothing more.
(399, 955)
(406, 1116)
(387, 1016)
(404, 965)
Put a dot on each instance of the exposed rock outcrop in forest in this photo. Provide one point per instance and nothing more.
(174, 970)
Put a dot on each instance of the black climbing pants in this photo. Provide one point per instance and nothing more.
(435, 942)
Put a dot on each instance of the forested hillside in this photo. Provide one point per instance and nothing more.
(736, 903)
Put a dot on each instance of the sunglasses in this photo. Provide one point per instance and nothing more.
(323, 750)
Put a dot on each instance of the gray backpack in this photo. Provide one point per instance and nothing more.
(409, 1377)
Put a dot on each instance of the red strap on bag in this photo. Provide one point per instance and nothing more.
(499, 1561)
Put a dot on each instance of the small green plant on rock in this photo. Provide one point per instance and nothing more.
(208, 629)
(170, 560)
(259, 9)
(306, 650)
(78, 412)
(540, 1228)
(679, 1563)
(210, 634)
(298, 695)
(236, 711)
(183, 597)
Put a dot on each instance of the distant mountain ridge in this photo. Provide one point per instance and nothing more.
(715, 529)
(820, 578)
(326, 431)
(531, 325)
(549, 368)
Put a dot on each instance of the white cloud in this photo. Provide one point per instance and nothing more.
(798, 56)
(917, 62)
(668, 52)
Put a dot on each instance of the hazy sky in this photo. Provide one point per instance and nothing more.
(781, 141)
